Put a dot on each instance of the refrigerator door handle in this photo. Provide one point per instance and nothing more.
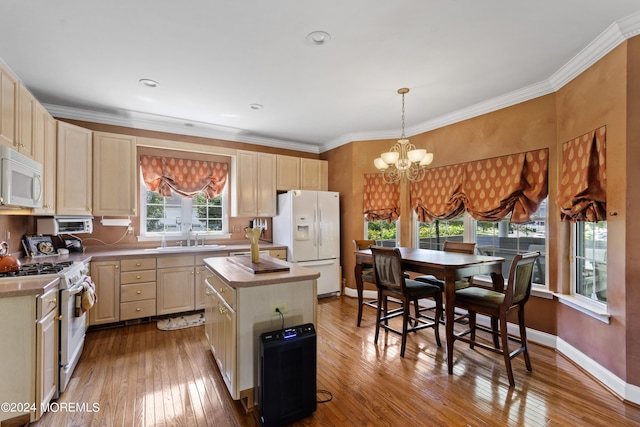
(315, 226)
(319, 226)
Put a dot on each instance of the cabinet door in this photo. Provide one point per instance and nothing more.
(175, 290)
(266, 185)
(46, 154)
(74, 183)
(8, 107)
(114, 174)
(27, 106)
(287, 173)
(314, 175)
(226, 356)
(106, 276)
(47, 360)
(200, 297)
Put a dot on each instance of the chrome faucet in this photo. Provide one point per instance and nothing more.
(189, 232)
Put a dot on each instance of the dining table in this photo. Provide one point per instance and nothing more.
(447, 266)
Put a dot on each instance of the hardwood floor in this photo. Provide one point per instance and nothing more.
(140, 376)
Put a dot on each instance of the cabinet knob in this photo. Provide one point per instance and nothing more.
(138, 309)
(222, 310)
(208, 293)
(58, 317)
(117, 267)
(138, 264)
(138, 292)
(223, 290)
(138, 276)
(52, 301)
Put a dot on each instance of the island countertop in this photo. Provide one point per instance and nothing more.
(238, 277)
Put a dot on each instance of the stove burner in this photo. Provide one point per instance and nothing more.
(38, 269)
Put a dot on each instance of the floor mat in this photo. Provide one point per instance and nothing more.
(181, 322)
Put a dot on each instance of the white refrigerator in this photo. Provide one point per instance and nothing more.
(308, 223)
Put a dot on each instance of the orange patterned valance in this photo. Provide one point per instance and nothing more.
(381, 200)
(183, 176)
(582, 194)
(489, 189)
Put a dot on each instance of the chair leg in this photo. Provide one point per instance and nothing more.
(405, 321)
(378, 316)
(505, 348)
(438, 316)
(472, 327)
(495, 332)
(417, 308)
(523, 339)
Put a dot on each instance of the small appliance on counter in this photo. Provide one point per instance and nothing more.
(73, 244)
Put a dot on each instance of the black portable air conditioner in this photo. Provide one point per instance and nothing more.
(287, 375)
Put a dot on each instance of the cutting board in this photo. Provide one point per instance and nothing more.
(264, 266)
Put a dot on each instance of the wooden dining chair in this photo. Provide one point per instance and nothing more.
(499, 305)
(392, 282)
(367, 276)
(451, 246)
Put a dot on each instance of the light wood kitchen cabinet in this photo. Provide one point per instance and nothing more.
(314, 174)
(27, 122)
(278, 253)
(254, 186)
(201, 277)
(106, 277)
(287, 173)
(47, 350)
(175, 284)
(74, 179)
(294, 173)
(137, 288)
(8, 106)
(29, 353)
(220, 325)
(114, 174)
(46, 154)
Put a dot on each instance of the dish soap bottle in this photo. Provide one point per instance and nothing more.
(163, 243)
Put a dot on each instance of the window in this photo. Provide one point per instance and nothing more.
(590, 260)
(383, 232)
(433, 235)
(175, 215)
(506, 240)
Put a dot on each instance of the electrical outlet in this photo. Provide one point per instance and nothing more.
(283, 307)
(130, 229)
(236, 229)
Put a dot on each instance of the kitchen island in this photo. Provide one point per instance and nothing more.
(241, 305)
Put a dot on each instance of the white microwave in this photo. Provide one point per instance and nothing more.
(21, 180)
(65, 225)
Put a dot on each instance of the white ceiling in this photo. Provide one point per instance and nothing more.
(213, 58)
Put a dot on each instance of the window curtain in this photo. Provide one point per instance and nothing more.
(489, 189)
(381, 200)
(582, 193)
(185, 177)
(439, 194)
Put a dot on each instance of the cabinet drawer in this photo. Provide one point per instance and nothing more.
(278, 253)
(137, 309)
(137, 277)
(225, 291)
(137, 291)
(134, 264)
(175, 261)
(47, 302)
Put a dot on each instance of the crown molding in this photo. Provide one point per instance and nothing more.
(158, 123)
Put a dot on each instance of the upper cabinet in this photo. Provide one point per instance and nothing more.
(8, 106)
(114, 174)
(74, 181)
(27, 121)
(254, 184)
(295, 173)
(45, 153)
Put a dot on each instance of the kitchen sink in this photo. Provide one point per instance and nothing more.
(187, 248)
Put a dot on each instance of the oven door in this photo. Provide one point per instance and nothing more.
(72, 330)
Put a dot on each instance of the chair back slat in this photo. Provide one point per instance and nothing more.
(387, 267)
(459, 247)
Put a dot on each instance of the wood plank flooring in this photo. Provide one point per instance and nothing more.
(140, 376)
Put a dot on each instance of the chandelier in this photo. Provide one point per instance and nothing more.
(404, 160)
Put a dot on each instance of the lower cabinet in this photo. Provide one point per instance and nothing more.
(106, 277)
(220, 328)
(137, 288)
(176, 284)
(29, 352)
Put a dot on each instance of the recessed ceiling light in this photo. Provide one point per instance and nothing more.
(256, 106)
(318, 38)
(148, 82)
